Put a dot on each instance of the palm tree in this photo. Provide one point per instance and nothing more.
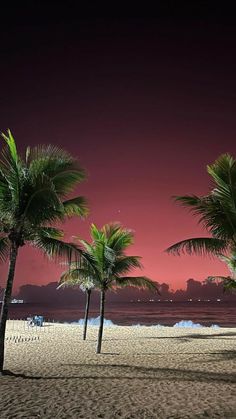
(82, 276)
(33, 196)
(216, 212)
(110, 264)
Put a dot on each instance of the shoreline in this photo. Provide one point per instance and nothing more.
(142, 372)
(94, 322)
(221, 314)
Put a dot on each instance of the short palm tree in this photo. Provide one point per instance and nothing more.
(34, 193)
(110, 265)
(216, 212)
(80, 275)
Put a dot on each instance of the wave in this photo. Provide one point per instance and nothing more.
(94, 322)
(109, 323)
(189, 323)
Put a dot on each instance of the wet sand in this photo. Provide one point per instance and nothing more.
(143, 372)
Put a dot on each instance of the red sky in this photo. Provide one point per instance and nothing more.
(145, 105)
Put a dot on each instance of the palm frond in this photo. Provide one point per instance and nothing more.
(64, 171)
(4, 248)
(89, 257)
(217, 278)
(96, 234)
(115, 237)
(5, 198)
(216, 218)
(87, 254)
(138, 281)
(12, 175)
(43, 203)
(73, 277)
(124, 264)
(75, 206)
(189, 201)
(223, 172)
(11, 145)
(224, 193)
(230, 285)
(51, 232)
(230, 262)
(227, 282)
(56, 249)
(109, 256)
(98, 252)
(110, 229)
(67, 180)
(33, 231)
(119, 238)
(223, 168)
(79, 276)
(65, 282)
(87, 246)
(200, 246)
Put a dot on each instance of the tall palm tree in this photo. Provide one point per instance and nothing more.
(34, 191)
(81, 275)
(216, 212)
(110, 265)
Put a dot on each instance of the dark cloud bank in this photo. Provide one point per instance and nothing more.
(194, 290)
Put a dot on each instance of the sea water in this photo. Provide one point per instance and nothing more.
(218, 313)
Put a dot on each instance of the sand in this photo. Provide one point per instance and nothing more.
(143, 372)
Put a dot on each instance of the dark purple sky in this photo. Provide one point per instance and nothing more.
(144, 103)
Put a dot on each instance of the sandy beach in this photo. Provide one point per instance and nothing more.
(143, 372)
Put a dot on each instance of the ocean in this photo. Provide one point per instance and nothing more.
(218, 313)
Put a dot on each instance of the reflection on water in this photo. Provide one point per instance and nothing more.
(164, 313)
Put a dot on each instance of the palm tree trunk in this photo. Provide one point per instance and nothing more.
(100, 332)
(6, 301)
(88, 295)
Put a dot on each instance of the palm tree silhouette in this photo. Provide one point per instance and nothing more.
(33, 192)
(216, 212)
(109, 265)
(80, 275)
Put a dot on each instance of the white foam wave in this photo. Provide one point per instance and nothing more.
(189, 323)
(94, 322)
(108, 323)
(147, 325)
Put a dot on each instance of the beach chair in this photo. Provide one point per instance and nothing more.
(38, 321)
(35, 321)
(30, 321)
